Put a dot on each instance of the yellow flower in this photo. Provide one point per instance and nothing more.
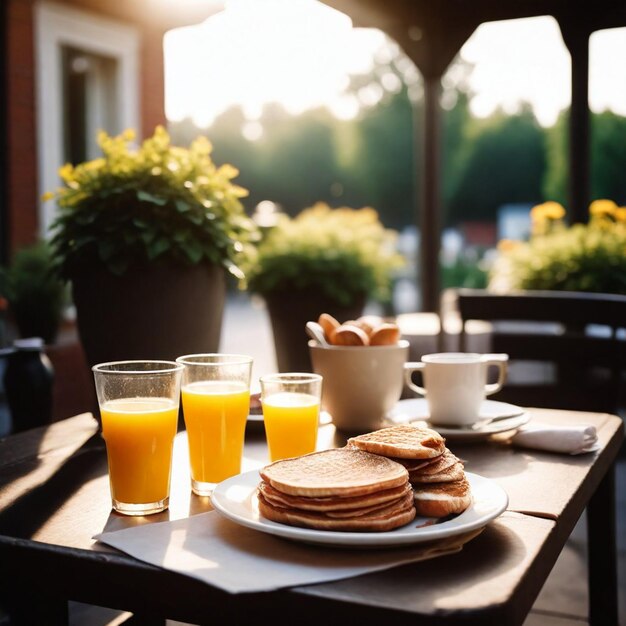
(553, 210)
(547, 211)
(128, 134)
(506, 245)
(599, 208)
(47, 196)
(620, 214)
(66, 172)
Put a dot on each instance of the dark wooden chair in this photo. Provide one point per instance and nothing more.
(566, 349)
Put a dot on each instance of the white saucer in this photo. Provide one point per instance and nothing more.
(509, 417)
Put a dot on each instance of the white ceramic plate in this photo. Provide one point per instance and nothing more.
(235, 498)
(508, 416)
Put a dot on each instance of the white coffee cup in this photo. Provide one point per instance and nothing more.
(455, 384)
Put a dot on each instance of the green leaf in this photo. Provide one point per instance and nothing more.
(144, 196)
(118, 265)
(193, 250)
(83, 240)
(195, 218)
(85, 218)
(106, 249)
(158, 247)
(182, 206)
(147, 237)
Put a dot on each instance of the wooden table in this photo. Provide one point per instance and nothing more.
(54, 498)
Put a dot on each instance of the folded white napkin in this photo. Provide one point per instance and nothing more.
(238, 559)
(574, 439)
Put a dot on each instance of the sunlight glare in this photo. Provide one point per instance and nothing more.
(519, 60)
(607, 74)
(344, 106)
(299, 53)
(252, 131)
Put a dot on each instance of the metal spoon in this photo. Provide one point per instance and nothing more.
(482, 423)
(315, 331)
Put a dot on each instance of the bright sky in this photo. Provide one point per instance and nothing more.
(301, 53)
(527, 60)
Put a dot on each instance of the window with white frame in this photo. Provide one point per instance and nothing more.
(87, 80)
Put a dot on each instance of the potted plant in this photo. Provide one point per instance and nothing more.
(323, 260)
(35, 296)
(581, 257)
(145, 236)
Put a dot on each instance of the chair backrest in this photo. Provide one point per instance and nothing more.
(567, 349)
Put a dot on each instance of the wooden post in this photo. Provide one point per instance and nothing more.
(430, 214)
(431, 46)
(4, 161)
(576, 37)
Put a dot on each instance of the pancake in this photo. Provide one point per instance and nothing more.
(403, 441)
(401, 503)
(413, 465)
(333, 503)
(445, 468)
(443, 462)
(343, 472)
(442, 499)
(449, 474)
(377, 521)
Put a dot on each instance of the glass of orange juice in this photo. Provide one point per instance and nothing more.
(138, 403)
(216, 405)
(291, 409)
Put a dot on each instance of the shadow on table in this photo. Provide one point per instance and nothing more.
(30, 511)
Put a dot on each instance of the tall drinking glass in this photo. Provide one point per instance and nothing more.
(216, 404)
(139, 409)
(291, 409)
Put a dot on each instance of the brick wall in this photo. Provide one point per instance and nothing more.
(22, 158)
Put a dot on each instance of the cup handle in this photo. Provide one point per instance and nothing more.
(409, 368)
(501, 362)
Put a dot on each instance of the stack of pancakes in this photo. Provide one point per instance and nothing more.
(439, 483)
(345, 489)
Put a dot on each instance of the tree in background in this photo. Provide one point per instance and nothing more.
(371, 160)
(501, 159)
(315, 157)
(608, 158)
(555, 176)
(381, 170)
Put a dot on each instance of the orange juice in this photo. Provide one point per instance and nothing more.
(139, 435)
(291, 421)
(215, 418)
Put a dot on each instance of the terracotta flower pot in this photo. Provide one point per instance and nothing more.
(289, 312)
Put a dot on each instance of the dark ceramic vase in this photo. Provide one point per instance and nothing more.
(289, 312)
(150, 312)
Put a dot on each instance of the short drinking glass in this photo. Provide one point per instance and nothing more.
(139, 409)
(291, 408)
(216, 404)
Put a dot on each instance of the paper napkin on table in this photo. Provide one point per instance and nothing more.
(238, 559)
(573, 439)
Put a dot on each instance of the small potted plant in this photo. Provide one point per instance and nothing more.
(35, 296)
(581, 257)
(324, 260)
(145, 237)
